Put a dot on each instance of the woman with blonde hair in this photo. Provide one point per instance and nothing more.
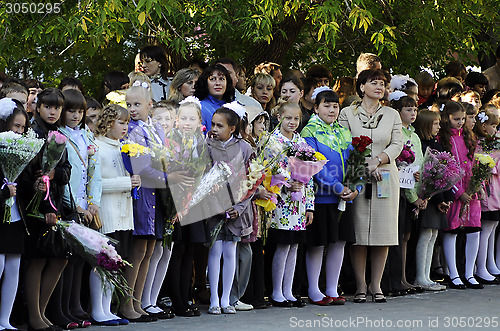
(182, 85)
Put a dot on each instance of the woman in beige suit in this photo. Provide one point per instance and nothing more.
(375, 217)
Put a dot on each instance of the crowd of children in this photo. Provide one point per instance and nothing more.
(253, 253)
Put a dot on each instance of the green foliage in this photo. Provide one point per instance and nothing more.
(88, 38)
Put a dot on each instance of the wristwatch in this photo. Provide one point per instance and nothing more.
(379, 160)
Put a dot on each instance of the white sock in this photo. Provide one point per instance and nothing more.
(482, 254)
(449, 247)
(9, 288)
(498, 251)
(471, 248)
(228, 270)
(491, 265)
(214, 256)
(421, 255)
(314, 259)
(291, 261)
(429, 256)
(161, 272)
(106, 302)
(334, 260)
(152, 270)
(278, 271)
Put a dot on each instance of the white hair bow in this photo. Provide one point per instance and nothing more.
(7, 106)
(482, 117)
(191, 99)
(236, 107)
(318, 90)
(142, 84)
(396, 95)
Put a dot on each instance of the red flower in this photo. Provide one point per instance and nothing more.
(361, 143)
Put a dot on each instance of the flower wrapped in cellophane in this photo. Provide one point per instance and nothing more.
(98, 250)
(276, 178)
(481, 171)
(16, 151)
(129, 150)
(406, 157)
(52, 154)
(303, 163)
(215, 177)
(440, 172)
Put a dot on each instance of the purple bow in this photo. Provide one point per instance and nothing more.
(6, 182)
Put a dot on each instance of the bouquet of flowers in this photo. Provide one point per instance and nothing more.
(130, 149)
(52, 154)
(481, 171)
(355, 165)
(16, 151)
(92, 160)
(96, 249)
(440, 173)
(276, 178)
(303, 163)
(490, 143)
(215, 177)
(406, 157)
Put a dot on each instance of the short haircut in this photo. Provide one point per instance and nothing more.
(455, 69)
(474, 78)
(92, 103)
(424, 79)
(71, 81)
(266, 68)
(326, 96)
(319, 71)
(292, 79)
(366, 76)
(366, 60)
(158, 54)
(12, 88)
(33, 83)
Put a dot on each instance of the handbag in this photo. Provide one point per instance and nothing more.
(51, 242)
(96, 223)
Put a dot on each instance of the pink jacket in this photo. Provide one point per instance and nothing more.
(492, 201)
(471, 217)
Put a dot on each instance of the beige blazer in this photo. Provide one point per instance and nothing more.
(376, 219)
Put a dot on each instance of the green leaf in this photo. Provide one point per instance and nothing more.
(142, 18)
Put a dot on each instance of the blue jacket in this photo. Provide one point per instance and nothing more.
(208, 107)
(334, 142)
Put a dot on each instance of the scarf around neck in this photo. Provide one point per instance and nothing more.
(368, 121)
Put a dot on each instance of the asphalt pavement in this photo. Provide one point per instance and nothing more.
(447, 310)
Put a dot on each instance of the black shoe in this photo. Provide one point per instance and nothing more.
(184, 313)
(285, 303)
(487, 282)
(195, 310)
(141, 319)
(473, 286)
(456, 286)
(259, 304)
(359, 297)
(299, 303)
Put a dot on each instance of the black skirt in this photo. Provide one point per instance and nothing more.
(12, 237)
(432, 218)
(286, 237)
(326, 227)
(124, 245)
(490, 215)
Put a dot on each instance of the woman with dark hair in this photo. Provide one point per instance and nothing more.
(154, 65)
(112, 81)
(477, 81)
(375, 211)
(213, 90)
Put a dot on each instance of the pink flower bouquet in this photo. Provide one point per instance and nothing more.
(302, 171)
(98, 250)
(406, 157)
(52, 154)
(440, 173)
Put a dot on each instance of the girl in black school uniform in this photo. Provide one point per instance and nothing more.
(43, 268)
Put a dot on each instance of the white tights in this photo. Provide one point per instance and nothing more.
(9, 269)
(485, 262)
(334, 259)
(283, 269)
(424, 252)
(227, 249)
(158, 266)
(101, 294)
